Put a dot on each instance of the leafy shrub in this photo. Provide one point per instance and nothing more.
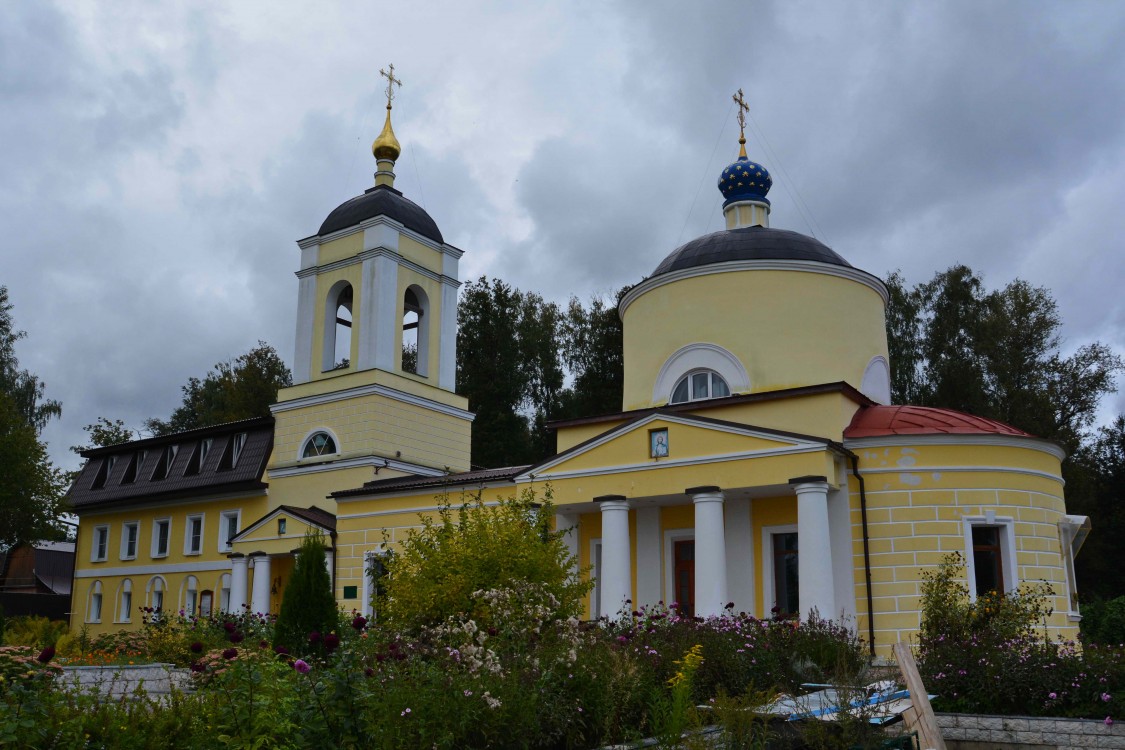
(1103, 621)
(34, 631)
(308, 605)
(477, 547)
(992, 656)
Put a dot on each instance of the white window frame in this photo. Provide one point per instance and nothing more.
(689, 376)
(155, 552)
(239, 443)
(202, 533)
(368, 609)
(224, 594)
(94, 613)
(136, 525)
(671, 536)
(151, 589)
(124, 602)
(1007, 526)
(1073, 531)
(313, 433)
(769, 595)
(101, 531)
(224, 540)
(189, 596)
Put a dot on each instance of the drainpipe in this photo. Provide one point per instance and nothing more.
(866, 552)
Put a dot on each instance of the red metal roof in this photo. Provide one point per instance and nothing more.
(876, 421)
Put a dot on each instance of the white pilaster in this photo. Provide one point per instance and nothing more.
(260, 599)
(814, 540)
(447, 337)
(238, 579)
(740, 553)
(306, 314)
(710, 551)
(366, 319)
(386, 318)
(648, 557)
(615, 584)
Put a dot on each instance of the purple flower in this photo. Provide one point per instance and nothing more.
(1108, 721)
(492, 631)
(196, 647)
(1052, 696)
(331, 641)
(360, 622)
(229, 627)
(197, 667)
(263, 644)
(236, 637)
(230, 653)
(1106, 697)
(368, 672)
(47, 654)
(301, 666)
(280, 650)
(314, 637)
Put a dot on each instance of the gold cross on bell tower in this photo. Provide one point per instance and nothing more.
(392, 82)
(743, 108)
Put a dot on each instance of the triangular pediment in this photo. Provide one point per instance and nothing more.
(297, 523)
(664, 439)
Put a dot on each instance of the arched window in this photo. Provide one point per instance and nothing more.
(94, 605)
(190, 596)
(697, 386)
(320, 443)
(415, 331)
(125, 601)
(154, 594)
(337, 327)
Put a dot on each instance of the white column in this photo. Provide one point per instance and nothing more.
(814, 544)
(447, 336)
(260, 600)
(238, 572)
(615, 584)
(710, 551)
(306, 315)
(386, 313)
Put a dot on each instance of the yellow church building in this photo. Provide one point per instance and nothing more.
(756, 462)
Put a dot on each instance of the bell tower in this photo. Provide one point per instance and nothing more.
(376, 330)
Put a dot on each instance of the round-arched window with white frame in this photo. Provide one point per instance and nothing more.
(318, 444)
(699, 386)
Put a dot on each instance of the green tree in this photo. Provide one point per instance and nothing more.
(592, 346)
(23, 388)
(104, 433)
(1098, 491)
(233, 390)
(30, 487)
(477, 547)
(904, 340)
(308, 605)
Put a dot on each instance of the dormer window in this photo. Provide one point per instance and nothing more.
(319, 444)
(699, 386)
(165, 462)
(134, 466)
(231, 453)
(103, 472)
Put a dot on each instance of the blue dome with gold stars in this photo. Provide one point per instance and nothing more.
(745, 180)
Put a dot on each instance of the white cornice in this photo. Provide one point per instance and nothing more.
(958, 470)
(151, 569)
(372, 390)
(378, 252)
(1002, 441)
(293, 470)
(805, 266)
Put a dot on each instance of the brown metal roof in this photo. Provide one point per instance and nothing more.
(877, 421)
(89, 490)
(459, 479)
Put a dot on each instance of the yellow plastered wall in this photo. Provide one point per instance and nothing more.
(767, 511)
(375, 424)
(838, 322)
(918, 497)
(174, 568)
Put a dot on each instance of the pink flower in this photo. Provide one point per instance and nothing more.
(405, 713)
(301, 666)
(1106, 697)
(1108, 721)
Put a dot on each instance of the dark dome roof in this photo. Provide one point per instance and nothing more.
(748, 243)
(381, 200)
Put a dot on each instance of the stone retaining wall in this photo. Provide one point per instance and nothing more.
(156, 680)
(985, 732)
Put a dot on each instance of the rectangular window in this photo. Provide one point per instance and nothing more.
(129, 535)
(193, 536)
(126, 606)
(786, 589)
(228, 528)
(96, 606)
(161, 531)
(989, 548)
(101, 544)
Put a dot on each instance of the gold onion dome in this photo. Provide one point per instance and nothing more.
(386, 146)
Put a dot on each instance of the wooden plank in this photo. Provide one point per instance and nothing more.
(929, 734)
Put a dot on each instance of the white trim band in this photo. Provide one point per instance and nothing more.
(1003, 441)
(372, 390)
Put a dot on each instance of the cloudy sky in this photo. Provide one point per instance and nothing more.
(160, 159)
